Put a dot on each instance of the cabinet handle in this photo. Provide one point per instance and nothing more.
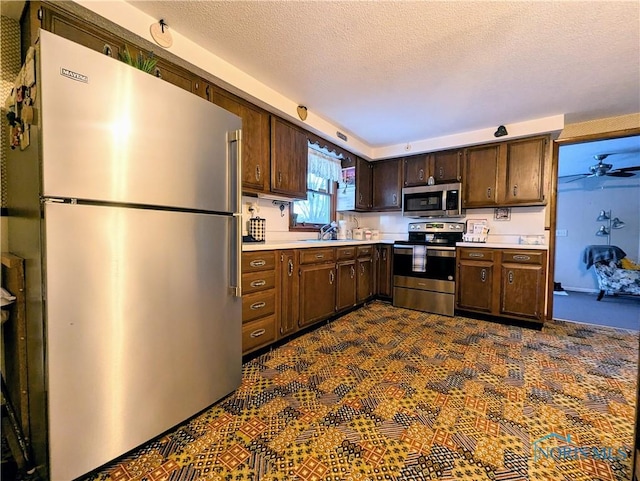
(510, 277)
(353, 272)
(258, 263)
(362, 269)
(319, 256)
(488, 192)
(421, 174)
(279, 178)
(361, 197)
(520, 257)
(384, 255)
(107, 50)
(257, 333)
(158, 73)
(395, 199)
(515, 190)
(290, 267)
(483, 275)
(441, 172)
(331, 277)
(258, 305)
(208, 92)
(257, 172)
(476, 254)
(258, 283)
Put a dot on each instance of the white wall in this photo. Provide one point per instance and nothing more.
(579, 204)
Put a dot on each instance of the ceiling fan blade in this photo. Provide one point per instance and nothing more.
(629, 169)
(620, 174)
(577, 177)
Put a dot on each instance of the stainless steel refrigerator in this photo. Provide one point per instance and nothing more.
(126, 206)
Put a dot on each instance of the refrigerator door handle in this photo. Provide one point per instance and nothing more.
(235, 158)
(235, 262)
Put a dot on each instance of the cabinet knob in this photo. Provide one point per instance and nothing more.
(488, 192)
(395, 199)
(279, 178)
(290, 267)
(257, 172)
(441, 173)
(421, 174)
(483, 275)
(510, 277)
(515, 190)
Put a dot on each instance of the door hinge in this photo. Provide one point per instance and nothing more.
(40, 14)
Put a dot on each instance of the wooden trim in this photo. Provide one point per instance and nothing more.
(599, 136)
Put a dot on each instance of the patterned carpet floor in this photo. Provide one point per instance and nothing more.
(392, 394)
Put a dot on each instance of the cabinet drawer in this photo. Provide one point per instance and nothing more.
(258, 333)
(315, 256)
(258, 261)
(258, 304)
(345, 253)
(258, 281)
(523, 257)
(481, 254)
(365, 251)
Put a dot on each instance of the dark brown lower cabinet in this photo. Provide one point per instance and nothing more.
(288, 292)
(317, 292)
(384, 285)
(502, 282)
(346, 284)
(364, 267)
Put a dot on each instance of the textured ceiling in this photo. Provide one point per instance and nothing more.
(391, 72)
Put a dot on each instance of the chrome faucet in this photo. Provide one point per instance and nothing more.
(327, 229)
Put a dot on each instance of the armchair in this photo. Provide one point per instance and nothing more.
(612, 279)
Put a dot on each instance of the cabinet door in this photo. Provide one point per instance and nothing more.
(385, 271)
(524, 170)
(480, 174)
(363, 185)
(288, 160)
(317, 293)
(522, 290)
(474, 285)
(346, 285)
(387, 184)
(174, 75)
(76, 31)
(446, 166)
(416, 170)
(365, 279)
(255, 140)
(288, 292)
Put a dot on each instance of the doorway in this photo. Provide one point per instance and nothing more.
(597, 204)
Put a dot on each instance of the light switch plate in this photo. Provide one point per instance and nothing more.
(561, 233)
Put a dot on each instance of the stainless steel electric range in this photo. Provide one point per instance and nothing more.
(424, 267)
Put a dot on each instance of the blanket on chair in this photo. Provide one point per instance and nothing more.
(595, 253)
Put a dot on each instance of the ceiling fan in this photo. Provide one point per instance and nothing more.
(601, 169)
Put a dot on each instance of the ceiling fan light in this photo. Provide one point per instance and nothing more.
(617, 223)
(604, 215)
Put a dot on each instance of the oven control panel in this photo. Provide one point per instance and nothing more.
(436, 227)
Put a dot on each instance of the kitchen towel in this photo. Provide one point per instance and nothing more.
(419, 259)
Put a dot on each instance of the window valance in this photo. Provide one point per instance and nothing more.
(324, 165)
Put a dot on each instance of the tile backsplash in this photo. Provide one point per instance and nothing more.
(524, 221)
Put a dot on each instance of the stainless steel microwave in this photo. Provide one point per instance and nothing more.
(439, 200)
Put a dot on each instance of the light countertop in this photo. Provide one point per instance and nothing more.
(503, 245)
(301, 244)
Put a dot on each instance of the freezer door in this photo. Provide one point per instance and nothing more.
(143, 329)
(114, 133)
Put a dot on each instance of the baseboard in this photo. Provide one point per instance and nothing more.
(581, 289)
